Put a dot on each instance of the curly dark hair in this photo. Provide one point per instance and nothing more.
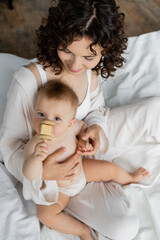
(100, 21)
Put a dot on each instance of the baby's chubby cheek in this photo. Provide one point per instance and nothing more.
(36, 125)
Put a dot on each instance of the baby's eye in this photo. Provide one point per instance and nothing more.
(57, 119)
(40, 114)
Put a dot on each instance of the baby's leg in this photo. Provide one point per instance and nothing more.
(61, 222)
(139, 174)
(105, 207)
(98, 170)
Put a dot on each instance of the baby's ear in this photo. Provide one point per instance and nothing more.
(72, 122)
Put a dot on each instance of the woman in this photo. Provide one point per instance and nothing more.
(77, 41)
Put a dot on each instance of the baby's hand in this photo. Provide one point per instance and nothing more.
(84, 146)
(139, 175)
(41, 151)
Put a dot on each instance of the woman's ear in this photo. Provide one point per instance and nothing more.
(72, 122)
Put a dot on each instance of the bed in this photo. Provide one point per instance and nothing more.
(138, 78)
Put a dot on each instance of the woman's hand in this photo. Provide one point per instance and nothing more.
(52, 170)
(91, 134)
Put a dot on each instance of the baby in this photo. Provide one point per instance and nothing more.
(57, 103)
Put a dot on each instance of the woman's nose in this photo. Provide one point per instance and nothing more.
(76, 63)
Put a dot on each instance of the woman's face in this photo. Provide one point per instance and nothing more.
(77, 57)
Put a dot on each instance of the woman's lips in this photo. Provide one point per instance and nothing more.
(71, 70)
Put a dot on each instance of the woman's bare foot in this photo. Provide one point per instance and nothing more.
(86, 233)
(139, 175)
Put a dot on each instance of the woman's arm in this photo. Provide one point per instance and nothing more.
(16, 128)
(98, 112)
(96, 119)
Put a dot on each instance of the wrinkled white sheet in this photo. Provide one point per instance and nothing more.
(140, 77)
(17, 217)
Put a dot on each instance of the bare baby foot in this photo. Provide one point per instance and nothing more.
(139, 174)
(86, 233)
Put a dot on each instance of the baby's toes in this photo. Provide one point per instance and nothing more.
(144, 172)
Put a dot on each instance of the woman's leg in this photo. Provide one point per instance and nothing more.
(126, 125)
(105, 208)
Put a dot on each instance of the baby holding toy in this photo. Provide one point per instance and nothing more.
(55, 126)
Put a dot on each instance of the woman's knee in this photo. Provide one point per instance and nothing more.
(153, 103)
(125, 228)
(153, 112)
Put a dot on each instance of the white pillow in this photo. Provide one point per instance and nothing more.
(140, 75)
(8, 65)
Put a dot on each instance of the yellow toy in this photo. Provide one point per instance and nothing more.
(46, 129)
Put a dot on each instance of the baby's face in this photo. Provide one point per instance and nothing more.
(58, 111)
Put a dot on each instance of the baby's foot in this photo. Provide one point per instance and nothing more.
(86, 233)
(139, 174)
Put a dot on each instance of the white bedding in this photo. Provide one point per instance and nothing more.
(140, 77)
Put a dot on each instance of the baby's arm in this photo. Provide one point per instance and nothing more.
(97, 170)
(35, 153)
(84, 146)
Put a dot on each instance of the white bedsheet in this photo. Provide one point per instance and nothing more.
(140, 77)
(17, 217)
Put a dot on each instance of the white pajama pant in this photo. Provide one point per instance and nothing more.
(104, 206)
(129, 124)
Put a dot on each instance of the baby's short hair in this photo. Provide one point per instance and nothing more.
(57, 90)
